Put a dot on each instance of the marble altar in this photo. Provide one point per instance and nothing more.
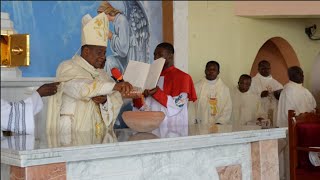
(193, 152)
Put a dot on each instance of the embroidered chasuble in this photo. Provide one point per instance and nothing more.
(214, 102)
(72, 109)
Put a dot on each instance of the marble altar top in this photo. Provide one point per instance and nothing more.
(29, 150)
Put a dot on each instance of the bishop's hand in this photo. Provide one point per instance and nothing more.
(100, 99)
(123, 87)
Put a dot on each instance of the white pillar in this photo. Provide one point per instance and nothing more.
(180, 34)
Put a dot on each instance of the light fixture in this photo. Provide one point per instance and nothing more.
(310, 31)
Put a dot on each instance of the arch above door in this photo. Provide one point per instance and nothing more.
(280, 54)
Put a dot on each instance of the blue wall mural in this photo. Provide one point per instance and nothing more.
(55, 29)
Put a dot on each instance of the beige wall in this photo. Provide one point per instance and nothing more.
(215, 33)
(278, 8)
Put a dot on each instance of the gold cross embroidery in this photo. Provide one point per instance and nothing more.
(99, 128)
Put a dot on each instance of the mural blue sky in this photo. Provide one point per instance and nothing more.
(55, 29)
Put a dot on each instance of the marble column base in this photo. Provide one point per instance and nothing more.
(55, 171)
(230, 172)
(265, 161)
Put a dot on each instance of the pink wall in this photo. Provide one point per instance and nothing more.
(278, 8)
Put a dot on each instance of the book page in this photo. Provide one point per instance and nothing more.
(136, 73)
(154, 73)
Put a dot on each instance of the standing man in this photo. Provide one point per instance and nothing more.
(174, 89)
(87, 99)
(294, 97)
(268, 89)
(246, 106)
(214, 105)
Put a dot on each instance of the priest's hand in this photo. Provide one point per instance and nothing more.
(264, 93)
(277, 94)
(123, 87)
(150, 92)
(48, 89)
(100, 99)
(258, 122)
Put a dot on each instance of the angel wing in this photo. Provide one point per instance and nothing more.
(140, 31)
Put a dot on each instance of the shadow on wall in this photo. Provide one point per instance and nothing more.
(280, 54)
(315, 82)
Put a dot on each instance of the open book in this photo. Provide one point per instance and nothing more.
(143, 75)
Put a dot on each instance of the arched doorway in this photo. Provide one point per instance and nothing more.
(280, 54)
(315, 82)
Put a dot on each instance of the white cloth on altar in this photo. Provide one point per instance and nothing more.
(18, 142)
(294, 97)
(261, 83)
(18, 117)
(213, 89)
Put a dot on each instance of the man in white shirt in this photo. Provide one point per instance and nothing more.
(268, 89)
(294, 97)
(18, 117)
(214, 104)
(246, 106)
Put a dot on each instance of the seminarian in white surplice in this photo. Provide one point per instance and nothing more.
(246, 106)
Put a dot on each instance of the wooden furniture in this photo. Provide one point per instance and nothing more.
(304, 134)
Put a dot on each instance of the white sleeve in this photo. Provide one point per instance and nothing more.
(5, 112)
(18, 117)
(254, 87)
(176, 104)
(86, 89)
(284, 105)
(37, 102)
